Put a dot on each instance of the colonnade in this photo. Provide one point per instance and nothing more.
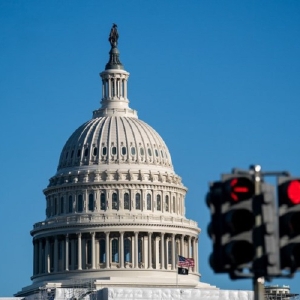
(112, 250)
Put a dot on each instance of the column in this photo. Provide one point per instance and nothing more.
(174, 258)
(55, 254)
(93, 250)
(125, 88)
(40, 256)
(136, 249)
(35, 257)
(79, 267)
(47, 258)
(109, 87)
(149, 250)
(73, 251)
(121, 249)
(189, 247)
(107, 255)
(182, 245)
(196, 260)
(67, 252)
(115, 87)
(162, 251)
(194, 256)
(145, 252)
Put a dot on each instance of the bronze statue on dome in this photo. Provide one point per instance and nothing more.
(113, 36)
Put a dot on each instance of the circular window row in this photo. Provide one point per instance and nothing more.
(114, 152)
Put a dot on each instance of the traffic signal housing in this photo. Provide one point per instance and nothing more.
(233, 221)
(289, 222)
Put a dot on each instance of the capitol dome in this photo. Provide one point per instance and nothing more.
(115, 208)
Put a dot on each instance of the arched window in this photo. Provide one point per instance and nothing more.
(169, 252)
(70, 204)
(62, 206)
(79, 203)
(78, 152)
(148, 202)
(126, 201)
(102, 251)
(91, 202)
(103, 201)
(158, 202)
(142, 151)
(86, 152)
(127, 250)
(114, 250)
(123, 150)
(115, 205)
(114, 150)
(137, 201)
(167, 203)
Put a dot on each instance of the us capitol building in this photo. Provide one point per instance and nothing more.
(115, 211)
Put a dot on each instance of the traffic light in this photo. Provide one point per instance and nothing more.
(265, 235)
(289, 222)
(233, 221)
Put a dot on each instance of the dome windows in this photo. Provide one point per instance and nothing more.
(115, 203)
(79, 203)
(167, 203)
(132, 150)
(156, 152)
(142, 151)
(138, 201)
(72, 153)
(114, 150)
(102, 201)
(126, 201)
(78, 152)
(148, 202)
(91, 202)
(104, 151)
(86, 152)
(158, 202)
(62, 205)
(124, 150)
(95, 151)
(149, 152)
(70, 204)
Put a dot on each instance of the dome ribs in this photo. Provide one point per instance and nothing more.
(87, 142)
(95, 140)
(129, 126)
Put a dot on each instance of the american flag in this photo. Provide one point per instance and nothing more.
(185, 262)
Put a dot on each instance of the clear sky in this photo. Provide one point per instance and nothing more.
(219, 80)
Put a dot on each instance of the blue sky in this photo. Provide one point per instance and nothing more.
(219, 80)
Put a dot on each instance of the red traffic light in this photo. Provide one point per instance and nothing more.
(293, 191)
(240, 188)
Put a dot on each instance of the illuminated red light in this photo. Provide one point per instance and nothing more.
(293, 191)
(241, 188)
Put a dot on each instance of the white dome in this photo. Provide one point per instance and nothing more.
(115, 209)
(115, 140)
